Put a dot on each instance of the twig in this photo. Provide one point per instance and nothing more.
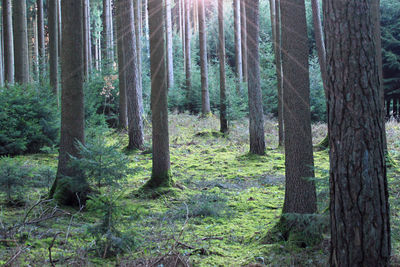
(184, 225)
(70, 222)
(8, 263)
(51, 246)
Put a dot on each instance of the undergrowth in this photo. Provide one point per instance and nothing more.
(224, 204)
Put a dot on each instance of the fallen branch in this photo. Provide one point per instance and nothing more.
(50, 247)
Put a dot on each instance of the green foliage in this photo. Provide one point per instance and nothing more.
(28, 119)
(102, 164)
(205, 204)
(13, 176)
(390, 27)
(102, 99)
(109, 239)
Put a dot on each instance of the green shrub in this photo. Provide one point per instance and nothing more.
(13, 176)
(28, 119)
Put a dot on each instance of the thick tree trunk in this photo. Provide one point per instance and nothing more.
(360, 228)
(238, 45)
(8, 42)
(205, 98)
(21, 49)
(72, 107)
(188, 67)
(222, 78)
(133, 92)
(300, 194)
(122, 116)
(53, 45)
(256, 114)
(243, 31)
(40, 39)
(161, 175)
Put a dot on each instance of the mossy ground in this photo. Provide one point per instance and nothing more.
(232, 200)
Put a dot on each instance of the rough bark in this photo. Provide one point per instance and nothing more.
(222, 79)
(300, 194)
(8, 42)
(205, 98)
(133, 92)
(161, 175)
(21, 58)
(360, 228)
(256, 114)
(169, 44)
(65, 188)
(53, 45)
(238, 45)
(188, 67)
(122, 115)
(40, 39)
(243, 30)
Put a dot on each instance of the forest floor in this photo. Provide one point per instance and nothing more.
(225, 203)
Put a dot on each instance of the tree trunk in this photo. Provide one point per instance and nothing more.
(161, 175)
(256, 114)
(133, 92)
(138, 32)
(85, 36)
(222, 78)
(1, 59)
(169, 44)
(65, 188)
(59, 28)
(205, 98)
(300, 194)
(106, 34)
(360, 228)
(188, 67)
(238, 45)
(53, 45)
(8, 42)
(319, 39)
(122, 116)
(243, 31)
(278, 66)
(21, 42)
(89, 36)
(41, 41)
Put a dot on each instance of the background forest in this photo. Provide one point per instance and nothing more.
(225, 204)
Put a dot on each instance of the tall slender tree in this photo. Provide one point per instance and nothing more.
(8, 42)
(69, 187)
(169, 44)
(21, 49)
(205, 98)
(222, 79)
(161, 175)
(276, 24)
(256, 114)
(360, 228)
(133, 92)
(188, 60)
(107, 47)
(85, 34)
(300, 194)
(238, 45)
(41, 36)
(53, 45)
(243, 31)
(122, 115)
(138, 32)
